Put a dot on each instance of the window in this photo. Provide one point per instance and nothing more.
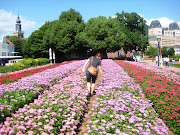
(3, 53)
(3, 46)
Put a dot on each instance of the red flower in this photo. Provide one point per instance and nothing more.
(161, 102)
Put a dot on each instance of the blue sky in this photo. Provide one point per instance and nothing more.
(33, 13)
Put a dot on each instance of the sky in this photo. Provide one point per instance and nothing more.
(34, 13)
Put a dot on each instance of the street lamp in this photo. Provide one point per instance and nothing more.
(158, 39)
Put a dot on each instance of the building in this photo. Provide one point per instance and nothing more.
(7, 50)
(6, 47)
(169, 36)
(18, 31)
(176, 49)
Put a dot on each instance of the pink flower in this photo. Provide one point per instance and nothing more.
(44, 134)
(45, 116)
(11, 132)
(47, 127)
(21, 128)
(39, 123)
(30, 132)
(131, 120)
(39, 117)
(118, 131)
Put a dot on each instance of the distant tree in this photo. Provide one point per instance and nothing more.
(153, 51)
(18, 44)
(171, 52)
(164, 51)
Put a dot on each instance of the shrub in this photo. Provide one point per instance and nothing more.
(35, 62)
(18, 65)
(43, 61)
(27, 62)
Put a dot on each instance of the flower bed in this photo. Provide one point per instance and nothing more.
(57, 111)
(171, 74)
(120, 107)
(162, 92)
(14, 76)
(17, 94)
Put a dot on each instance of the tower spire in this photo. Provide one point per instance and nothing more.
(18, 31)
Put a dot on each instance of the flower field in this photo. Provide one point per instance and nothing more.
(56, 111)
(54, 101)
(172, 74)
(14, 76)
(120, 107)
(25, 90)
(163, 93)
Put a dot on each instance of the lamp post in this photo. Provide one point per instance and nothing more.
(158, 39)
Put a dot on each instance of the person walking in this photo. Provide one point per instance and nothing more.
(167, 61)
(95, 61)
(173, 62)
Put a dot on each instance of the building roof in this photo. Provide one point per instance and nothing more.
(175, 46)
(10, 57)
(155, 24)
(18, 20)
(173, 26)
(9, 42)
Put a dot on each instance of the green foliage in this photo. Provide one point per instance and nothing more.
(69, 34)
(61, 34)
(25, 63)
(19, 65)
(42, 61)
(153, 51)
(35, 45)
(134, 28)
(165, 51)
(104, 34)
(171, 52)
(132, 21)
(6, 69)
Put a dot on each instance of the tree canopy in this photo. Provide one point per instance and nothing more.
(134, 28)
(70, 33)
(104, 34)
(61, 35)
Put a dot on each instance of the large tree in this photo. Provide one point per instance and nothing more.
(104, 34)
(64, 31)
(134, 29)
(35, 45)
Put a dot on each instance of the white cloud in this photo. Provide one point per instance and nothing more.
(163, 20)
(8, 21)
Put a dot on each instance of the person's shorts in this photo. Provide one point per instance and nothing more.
(91, 77)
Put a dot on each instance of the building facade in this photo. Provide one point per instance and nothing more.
(169, 36)
(6, 47)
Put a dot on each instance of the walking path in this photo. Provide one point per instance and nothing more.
(154, 63)
(83, 128)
